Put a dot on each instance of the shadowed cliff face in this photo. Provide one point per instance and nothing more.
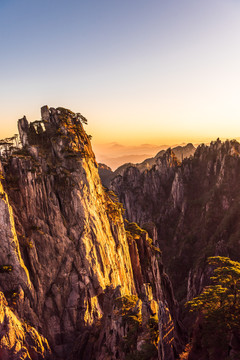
(91, 288)
(194, 207)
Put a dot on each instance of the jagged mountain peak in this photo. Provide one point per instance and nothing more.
(194, 206)
(89, 286)
(60, 133)
(218, 148)
(104, 166)
(169, 157)
(179, 152)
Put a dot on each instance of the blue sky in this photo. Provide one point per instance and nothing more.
(141, 71)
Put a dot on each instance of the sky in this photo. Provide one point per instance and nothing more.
(141, 71)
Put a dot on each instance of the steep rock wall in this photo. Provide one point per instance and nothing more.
(70, 263)
(19, 340)
(194, 205)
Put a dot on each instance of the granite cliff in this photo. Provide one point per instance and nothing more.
(88, 285)
(191, 209)
(191, 206)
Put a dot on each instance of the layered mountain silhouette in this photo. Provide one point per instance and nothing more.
(106, 174)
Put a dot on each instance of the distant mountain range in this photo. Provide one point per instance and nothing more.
(115, 154)
(106, 174)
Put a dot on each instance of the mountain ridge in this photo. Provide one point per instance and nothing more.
(181, 194)
(95, 288)
(106, 173)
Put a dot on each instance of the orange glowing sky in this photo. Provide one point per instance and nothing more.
(156, 72)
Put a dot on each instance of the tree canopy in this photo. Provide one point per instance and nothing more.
(219, 304)
(224, 294)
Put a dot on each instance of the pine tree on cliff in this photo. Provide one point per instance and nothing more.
(219, 305)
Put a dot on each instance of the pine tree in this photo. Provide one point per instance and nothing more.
(219, 304)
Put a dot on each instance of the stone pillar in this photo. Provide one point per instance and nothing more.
(45, 113)
(23, 130)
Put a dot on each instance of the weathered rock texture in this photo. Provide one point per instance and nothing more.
(19, 340)
(89, 287)
(193, 210)
(193, 206)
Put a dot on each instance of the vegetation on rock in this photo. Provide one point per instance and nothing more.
(218, 307)
(114, 208)
(66, 242)
(129, 307)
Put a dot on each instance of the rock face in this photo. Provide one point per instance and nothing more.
(90, 287)
(19, 340)
(105, 173)
(193, 206)
(143, 194)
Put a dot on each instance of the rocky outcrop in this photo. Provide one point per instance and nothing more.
(84, 283)
(194, 206)
(10, 256)
(143, 194)
(105, 173)
(181, 152)
(19, 340)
